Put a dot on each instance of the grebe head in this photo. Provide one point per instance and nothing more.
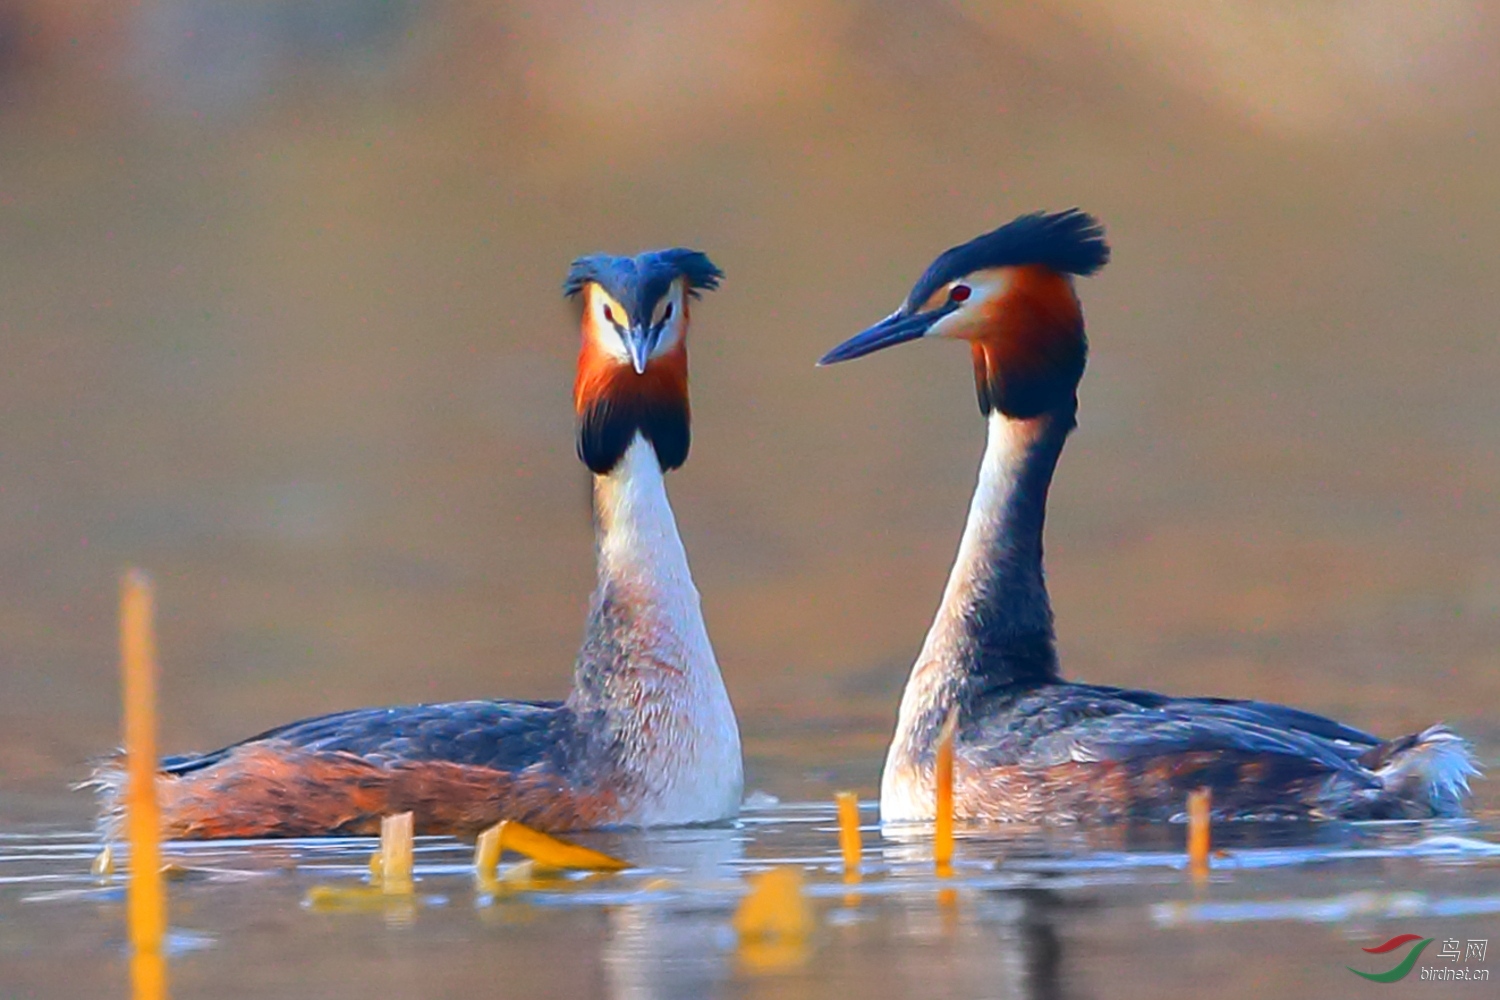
(1009, 293)
(632, 365)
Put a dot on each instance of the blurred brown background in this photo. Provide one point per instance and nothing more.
(280, 321)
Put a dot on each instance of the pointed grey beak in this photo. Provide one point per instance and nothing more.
(897, 328)
(638, 342)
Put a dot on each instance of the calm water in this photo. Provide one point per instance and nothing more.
(1035, 913)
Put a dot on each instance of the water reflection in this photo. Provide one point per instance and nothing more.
(674, 950)
(1031, 942)
(1007, 943)
(1034, 914)
(656, 951)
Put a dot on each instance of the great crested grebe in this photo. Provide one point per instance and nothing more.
(646, 738)
(1031, 746)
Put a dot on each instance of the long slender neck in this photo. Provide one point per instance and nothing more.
(639, 547)
(646, 670)
(994, 627)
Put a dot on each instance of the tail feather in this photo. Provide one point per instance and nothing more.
(107, 782)
(1432, 767)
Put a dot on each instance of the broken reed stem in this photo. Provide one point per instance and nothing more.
(146, 908)
(487, 853)
(942, 778)
(551, 852)
(774, 922)
(849, 842)
(775, 906)
(396, 853)
(1199, 811)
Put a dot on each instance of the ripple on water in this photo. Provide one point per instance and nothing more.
(1023, 906)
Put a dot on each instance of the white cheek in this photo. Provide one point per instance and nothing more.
(951, 325)
(608, 338)
(671, 334)
(963, 321)
(945, 327)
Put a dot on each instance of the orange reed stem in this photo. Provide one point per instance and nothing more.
(942, 832)
(849, 841)
(1199, 809)
(146, 906)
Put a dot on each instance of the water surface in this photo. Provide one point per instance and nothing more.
(1026, 913)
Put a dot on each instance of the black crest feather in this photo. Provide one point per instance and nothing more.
(639, 282)
(1070, 242)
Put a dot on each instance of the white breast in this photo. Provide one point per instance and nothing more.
(689, 754)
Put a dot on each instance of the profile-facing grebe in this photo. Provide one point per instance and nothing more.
(1031, 746)
(646, 738)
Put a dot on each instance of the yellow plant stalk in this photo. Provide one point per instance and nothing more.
(487, 853)
(396, 853)
(148, 976)
(942, 779)
(546, 850)
(774, 907)
(849, 841)
(1199, 841)
(146, 907)
(774, 923)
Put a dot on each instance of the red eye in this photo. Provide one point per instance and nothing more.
(959, 293)
(609, 314)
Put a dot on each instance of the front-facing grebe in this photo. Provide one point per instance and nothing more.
(646, 738)
(1031, 746)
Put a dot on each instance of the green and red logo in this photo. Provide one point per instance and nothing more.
(1404, 967)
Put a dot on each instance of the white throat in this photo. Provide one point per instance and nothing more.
(994, 626)
(655, 667)
(638, 539)
(999, 561)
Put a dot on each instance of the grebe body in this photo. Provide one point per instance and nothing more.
(647, 737)
(1029, 745)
